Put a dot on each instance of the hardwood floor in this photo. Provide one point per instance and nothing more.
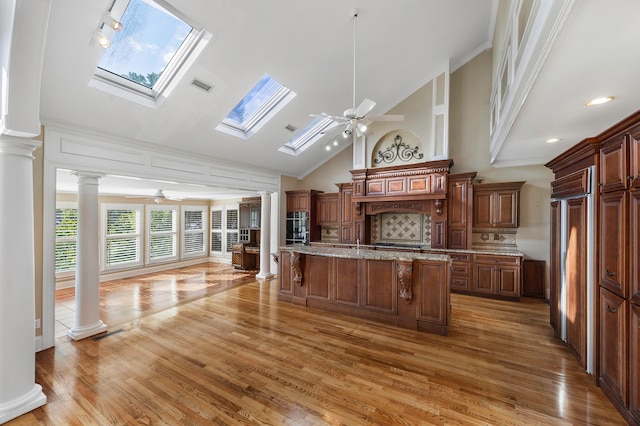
(239, 356)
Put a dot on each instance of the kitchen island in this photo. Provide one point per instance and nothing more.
(404, 289)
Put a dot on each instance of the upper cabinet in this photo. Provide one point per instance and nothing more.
(620, 162)
(250, 213)
(459, 211)
(496, 205)
(329, 209)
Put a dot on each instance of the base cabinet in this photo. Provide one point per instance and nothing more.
(498, 276)
(613, 347)
(410, 294)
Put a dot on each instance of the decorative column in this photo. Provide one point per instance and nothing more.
(265, 236)
(87, 308)
(18, 392)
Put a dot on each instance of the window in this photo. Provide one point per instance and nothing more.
(224, 228)
(262, 102)
(122, 235)
(150, 54)
(66, 233)
(232, 228)
(163, 233)
(308, 136)
(194, 236)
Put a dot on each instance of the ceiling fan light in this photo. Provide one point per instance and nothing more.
(112, 22)
(362, 127)
(100, 39)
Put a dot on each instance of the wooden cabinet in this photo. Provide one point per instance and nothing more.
(302, 219)
(496, 205)
(620, 161)
(613, 345)
(328, 209)
(250, 213)
(533, 282)
(555, 267)
(241, 258)
(460, 210)
(461, 265)
(613, 245)
(497, 275)
(354, 224)
(298, 201)
(634, 362)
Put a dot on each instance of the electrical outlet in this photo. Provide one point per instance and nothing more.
(37, 323)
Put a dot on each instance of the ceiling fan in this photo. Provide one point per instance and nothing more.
(356, 119)
(158, 197)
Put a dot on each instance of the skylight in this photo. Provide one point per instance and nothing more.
(151, 52)
(253, 111)
(307, 136)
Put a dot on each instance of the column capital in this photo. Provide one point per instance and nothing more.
(87, 178)
(13, 145)
(263, 193)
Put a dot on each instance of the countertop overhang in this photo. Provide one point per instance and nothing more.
(365, 253)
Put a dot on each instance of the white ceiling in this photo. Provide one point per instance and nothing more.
(307, 46)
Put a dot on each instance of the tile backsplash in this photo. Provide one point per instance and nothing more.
(401, 228)
(498, 239)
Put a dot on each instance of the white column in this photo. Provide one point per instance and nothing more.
(265, 236)
(87, 310)
(19, 393)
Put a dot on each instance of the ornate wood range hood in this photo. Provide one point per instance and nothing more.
(408, 188)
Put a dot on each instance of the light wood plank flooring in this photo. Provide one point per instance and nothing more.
(238, 356)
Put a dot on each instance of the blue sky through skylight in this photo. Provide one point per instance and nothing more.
(258, 96)
(148, 40)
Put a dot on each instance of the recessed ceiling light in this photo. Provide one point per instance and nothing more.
(552, 140)
(599, 101)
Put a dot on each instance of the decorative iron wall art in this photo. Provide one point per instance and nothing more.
(398, 150)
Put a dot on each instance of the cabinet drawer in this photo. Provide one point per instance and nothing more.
(502, 260)
(462, 257)
(459, 283)
(459, 268)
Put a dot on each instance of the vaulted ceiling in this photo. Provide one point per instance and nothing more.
(308, 47)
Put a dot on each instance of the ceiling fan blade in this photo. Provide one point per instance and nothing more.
(365, 106)
(386, 117)
(332, 117)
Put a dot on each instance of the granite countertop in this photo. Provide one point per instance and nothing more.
(422, 249)
(364, 252)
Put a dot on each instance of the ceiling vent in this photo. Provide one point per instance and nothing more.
(291, 128)
(201, 85)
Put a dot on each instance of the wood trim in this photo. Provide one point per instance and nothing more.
(575, 184)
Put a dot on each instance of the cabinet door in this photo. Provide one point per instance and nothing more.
(483, 278)
(284, 272)
(634, 362)
(634, 245)
(347, 288)
(613, 241)
(434, 296)
(508, 281)
(318, 277)
(506, 209)
(346, 215)
(482, 209)
(245, 216)
(555, 278)
(254, 216)
(614, 164)
(575, 278)
(634, 158)
(380, 286)
(458, 203)
(613, 346)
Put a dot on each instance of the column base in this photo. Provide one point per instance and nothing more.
(264, 276)
(32, 400)
(79, 333)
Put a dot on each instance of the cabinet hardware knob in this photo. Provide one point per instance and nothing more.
(612, 310)
(609, 274)
(629, 177)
